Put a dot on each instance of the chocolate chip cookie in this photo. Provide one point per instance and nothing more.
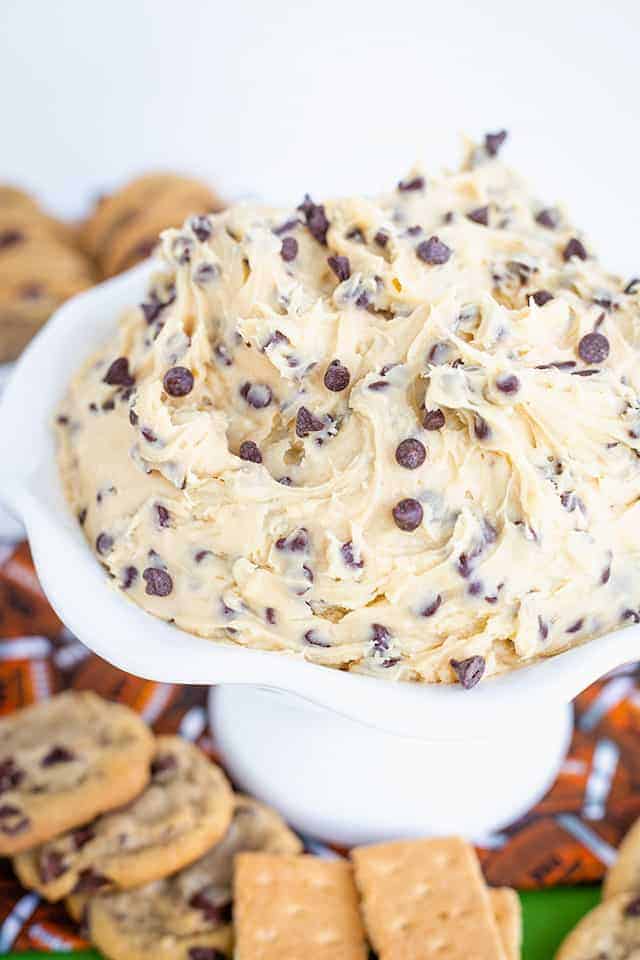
(609, 932)
(63, 762)
(39, 269)
(124, 227)
(188, 915)
(185, 808)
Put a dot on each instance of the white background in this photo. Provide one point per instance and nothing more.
(330, 96)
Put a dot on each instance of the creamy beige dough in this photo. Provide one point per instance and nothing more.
(395, 436)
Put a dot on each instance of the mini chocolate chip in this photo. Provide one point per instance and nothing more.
(202, 227)
(289, 249)
(464, 565)
(108, 405)
(104, 543)
(159, 582)
(475, 588)
(182, 248)
(549, 218)
(129, 577)
(433, 419)
(349, 560)
(480, 215)
(205, 273)
(257, 395)
(593, 348)
(202, 555)
(178, 381)
(336, 377)
(313, 638)
(340, 266)
(493, 141)
(163, 516)
(540, 297)
(380, 637)
(214, 913)
(508, 384)
(10, 238)
(632, 287)
(9, 812)
(133, 418)
(433, 251)
(414, 231)
(82, 516)
(416, 183)
(11, 776)
(410, 454)
(574, 248)
(57, 755)
(89, 881)
(274, 339)
(543, 628)
(62, 420)
(408, 514)
(296, 543)
(576, 626)
(480, 427)
(381, 238)
(469, 671)
(379, 385)
(162, 763)
(632, 909)
(205, 953)
(151, 308)
(316, 218)
(82, 836)
(250, 451)
(270, 616)
(148, 435)
(308, 572)
(306, 423)
(605, 575)
(51, 866)
(118, 374)
(432, 607)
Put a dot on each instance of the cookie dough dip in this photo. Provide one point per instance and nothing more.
(397, 436)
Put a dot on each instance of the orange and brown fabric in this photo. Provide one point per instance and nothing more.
(567, 839)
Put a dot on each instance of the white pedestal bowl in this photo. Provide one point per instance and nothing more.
(345, 757)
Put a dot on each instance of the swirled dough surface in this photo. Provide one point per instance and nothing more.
(233, 481)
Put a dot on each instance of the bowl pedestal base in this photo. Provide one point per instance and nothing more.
(337, 780)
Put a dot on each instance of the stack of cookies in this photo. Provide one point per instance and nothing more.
(155, 856)
(611, 931)
(43, 261)
(40, 267)
(124, 227)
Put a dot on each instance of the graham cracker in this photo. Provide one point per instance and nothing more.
(296, 908)
(426, 900)
(508, 913)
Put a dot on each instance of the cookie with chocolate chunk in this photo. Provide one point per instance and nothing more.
(63, 762)
(611, 931)
(185, 808)
(125, 226)
(39, 269)
(186, 916)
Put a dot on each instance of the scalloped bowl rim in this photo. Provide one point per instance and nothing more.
(139, 643)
